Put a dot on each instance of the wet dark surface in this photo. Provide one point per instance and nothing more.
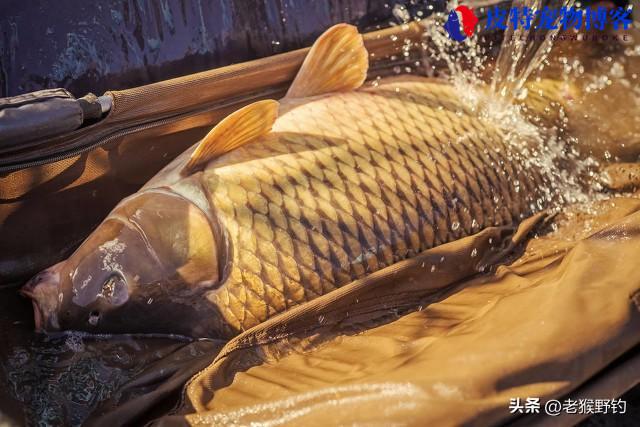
(630, 419)
(115, 44)
(61, 379)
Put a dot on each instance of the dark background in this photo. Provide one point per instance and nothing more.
(87, 46)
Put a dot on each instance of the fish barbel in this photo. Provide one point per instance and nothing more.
(254, 221)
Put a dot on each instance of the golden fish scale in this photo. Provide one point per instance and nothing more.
(350, 183)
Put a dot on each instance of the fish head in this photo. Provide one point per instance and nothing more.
(143, 270)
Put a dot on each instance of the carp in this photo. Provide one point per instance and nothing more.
(285, 201)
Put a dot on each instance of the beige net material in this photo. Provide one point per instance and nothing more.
(419, 347)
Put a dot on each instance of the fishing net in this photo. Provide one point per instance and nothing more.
(559, 318)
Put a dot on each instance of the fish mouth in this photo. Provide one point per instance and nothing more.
(38, 315)
(44, 301)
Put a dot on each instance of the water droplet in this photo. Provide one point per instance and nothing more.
(455, 225)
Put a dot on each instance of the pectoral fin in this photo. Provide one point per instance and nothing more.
(237, 129)
(337, 61)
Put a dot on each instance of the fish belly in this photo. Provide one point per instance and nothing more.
(349, 183)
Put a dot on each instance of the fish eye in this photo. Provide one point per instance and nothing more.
(109, 286)
(114, 290)
(94, 317)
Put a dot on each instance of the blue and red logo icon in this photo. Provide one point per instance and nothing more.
(565, 18)
(469, 22)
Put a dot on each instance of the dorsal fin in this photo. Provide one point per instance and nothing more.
(337, 61)
(235, 130)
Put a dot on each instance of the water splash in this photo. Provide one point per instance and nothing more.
(503, 99)
(523, 49)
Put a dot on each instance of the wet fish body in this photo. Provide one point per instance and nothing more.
(345, 184)
(351, 183)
